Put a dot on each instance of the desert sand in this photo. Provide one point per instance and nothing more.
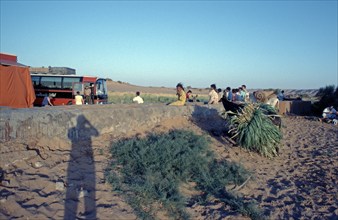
(301, 183)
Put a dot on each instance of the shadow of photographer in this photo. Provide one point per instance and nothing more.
(81, 181)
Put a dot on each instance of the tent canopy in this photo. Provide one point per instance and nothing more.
(16, 88)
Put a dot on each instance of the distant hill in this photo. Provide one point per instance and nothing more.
(301, 92)
(118, 86)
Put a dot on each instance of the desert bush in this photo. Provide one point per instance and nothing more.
(253, 130)
(328, 96)
(151, 98)
(148, 172)
(118, 98)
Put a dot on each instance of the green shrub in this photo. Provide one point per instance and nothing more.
(328, 96)
(148, 173)
(151, 98)
(120, 98)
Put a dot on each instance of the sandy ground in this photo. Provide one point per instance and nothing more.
(299, 184)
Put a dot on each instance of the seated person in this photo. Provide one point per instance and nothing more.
(47, 100)
(329, 114)
(181, 96)
(137, 99)
(189, 96)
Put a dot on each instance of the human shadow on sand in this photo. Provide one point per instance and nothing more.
(81, 172)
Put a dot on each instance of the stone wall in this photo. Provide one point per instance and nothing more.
(77, 122)
(295, 107)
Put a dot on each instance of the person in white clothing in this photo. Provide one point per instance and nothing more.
(329, 113)
(137, 99)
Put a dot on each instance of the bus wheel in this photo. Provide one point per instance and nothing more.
(70, 103)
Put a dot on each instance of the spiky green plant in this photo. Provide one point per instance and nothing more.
(268, 109)
(254, 130)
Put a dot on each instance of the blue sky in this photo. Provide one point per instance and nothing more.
(263, 44)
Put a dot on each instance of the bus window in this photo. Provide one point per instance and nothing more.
(68, 82)
(51, 82)
(77, 87)
(36, 81)
(101, 87)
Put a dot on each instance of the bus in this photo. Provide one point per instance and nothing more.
(63, 88)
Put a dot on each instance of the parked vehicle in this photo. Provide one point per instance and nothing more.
(63, 88)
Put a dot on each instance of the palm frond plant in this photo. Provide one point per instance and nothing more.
(254, 130)
(268, 109)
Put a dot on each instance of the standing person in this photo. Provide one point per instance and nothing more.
(280, 96)
(241, 94)
(92, 93)
(247, 94)
(213, 95)
(234, 95)
(88, 95)
(228, 94)
(137, 98)
(181, 96)
(219, 93)
(46, 100)
(78, 99)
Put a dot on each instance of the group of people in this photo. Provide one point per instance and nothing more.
(87, 98)
(239, 94)
(215, 95)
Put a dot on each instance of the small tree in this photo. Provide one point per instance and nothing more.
(328, 96)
